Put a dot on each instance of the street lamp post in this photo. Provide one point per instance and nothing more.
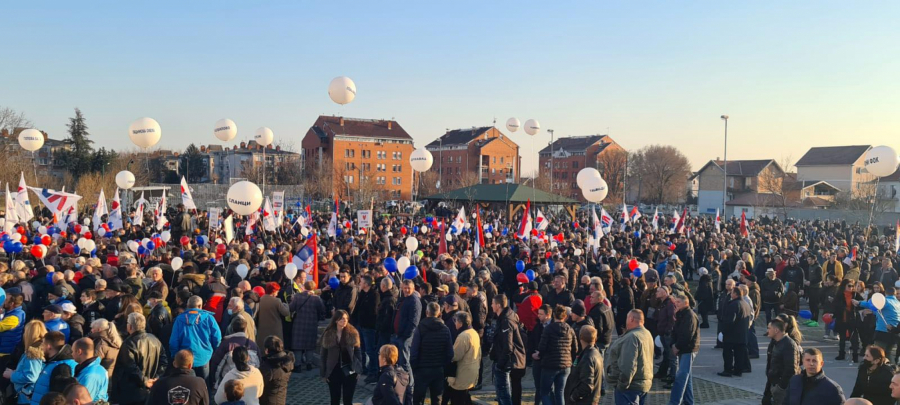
(725, 166)
(551, 160)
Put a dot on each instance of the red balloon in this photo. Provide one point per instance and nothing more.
(24, 240)
(522, 278)
(105, 227)
(828, 318)
(220, 249)
(434, 223)
(403, 230)
(37, 251)
(69, 249)
(672, 247)
(185, 241)
(534, 232)
(549, 254)
(46, 240)
(88, 235)
(77, 229)
(21, 230)
(633, 264)
(62, 234)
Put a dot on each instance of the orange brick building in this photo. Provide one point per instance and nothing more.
(362, 153)
(465, 157)
(571, 154)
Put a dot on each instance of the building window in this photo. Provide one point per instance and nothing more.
(493, 171)
(399, 155)
(575, 165)
(459, 159)
(495, 159)
(449, 159)
(396, 181)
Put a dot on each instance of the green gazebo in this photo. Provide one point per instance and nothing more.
(512, 196)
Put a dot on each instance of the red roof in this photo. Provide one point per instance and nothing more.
(331, 126)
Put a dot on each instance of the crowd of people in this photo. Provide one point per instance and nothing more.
(200, 319)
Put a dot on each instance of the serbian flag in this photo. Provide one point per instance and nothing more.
(605, 219)
(307, 259)
(656, 219)
(541, 223)
(624, 213)
(525, 226)
(718, 221)
(333, 223)
(675, 219)
(745, 226)
(115, 215)
(186, 197)
(442, 247)
(479, 233)
(635, 214)
(679, 227)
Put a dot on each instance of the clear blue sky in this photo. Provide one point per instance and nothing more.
(790, 75)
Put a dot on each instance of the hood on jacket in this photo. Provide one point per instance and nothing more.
(282, 360)
(107, 338)
(350, 337)
(65, 353)
(430, 324)
(197, 278)
(34, 353)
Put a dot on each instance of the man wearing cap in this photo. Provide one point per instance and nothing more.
(771, 289)
(75, 321)
(113, 293)
(578, 318)
(54, 322)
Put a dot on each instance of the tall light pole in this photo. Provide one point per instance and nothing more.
(725, 167)
(551, 161)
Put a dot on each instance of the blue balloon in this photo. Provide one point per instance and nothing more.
(411, 272)
(334, 283)
(201, 240)
(77, 249)
(5, 237)
(390, 264)
(429, 219)
(109, 235)
(452, 229)
(805, 314)
(530, 274)
(505, 231)
(415, 230)
(490, 228)
(141, 250)
(637, 272)
(17, 247)
(37, 240)
(151, 245)
(338, 232)
(520, 266)
(8, 245)
(94, 252)
(637, 234)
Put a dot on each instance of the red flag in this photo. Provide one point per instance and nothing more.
(479, 232)
(744, 225)
(442, 247)
(679, 227)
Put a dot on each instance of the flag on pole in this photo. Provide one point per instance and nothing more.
(268, 216)
(12, 218)
(442, 246)
(635, 214)
(278, 206)
(459, 223)
(307, 259)
(745, 226)
(160, 212)
(605, 220)
(718, 221)
(540, 222)
(597, 226)
(115, 215)
(656, 219)
(228, 224)
(479, 233)
(679, 226)
(673, 228)
(99, 211)
(58, 202)
(624, 213)
(23, 206)
(138, 218)
(897, 238)
(525, 226)
(186, 197)
(333, 223)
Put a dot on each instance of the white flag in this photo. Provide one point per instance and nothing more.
(278, 206)
(115, 216)
(12, 217)
(160, 212)
(460, 222)
(138, 218)
(186, 197)
(541, 222)
(228, 224)
(268, 216)
(23, 206)
(100, 211)
(656, 219)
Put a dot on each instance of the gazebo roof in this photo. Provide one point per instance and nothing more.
(501, 193)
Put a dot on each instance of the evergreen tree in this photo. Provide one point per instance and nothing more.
(192, 164)
(79, 158)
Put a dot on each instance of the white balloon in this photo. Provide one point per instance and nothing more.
(412, 243)
(449, 238)
(31, 139)
(242, 270)
(90, 245)
(882, 161)
(578, 252)
(402, 264)
(144, 132)
(132, 246)
(423, 229)
(125, 179)
(421, 160)
(225, 130)
(42, 230)
(532, 127)
(244, 197)
(145, 241)
(304, 231)
(644, 267)
(586, 174)
(290, 270)
(16, 236)
(878, 300)
(177, 263)
(166, 236)
(264, 136)
(596, 190)
(513, 124)
(87, 221)
(35, 225)
(342, 90)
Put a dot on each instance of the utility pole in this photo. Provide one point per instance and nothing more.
(725, 167)
(551, 161)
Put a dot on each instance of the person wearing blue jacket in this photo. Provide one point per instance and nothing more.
(30, 364)
(54, 322)
(12, 324)
(811, 386)
(406, 319)
(89, 372)
(888, 319)
(59, 364)
(196, 330)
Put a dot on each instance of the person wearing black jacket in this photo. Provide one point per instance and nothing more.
(557, 349)
(782, 363)
(531, 347)
(735, 323)
(431, 352)
(159, 317)
(346, 294)
(559, 295)
(394, 384)
(685, 345)
(624, 302)
(814, 277)
(180, 385)
(874, 378)
(602, 316)
(141, 359)
(384, 319)
(706, 301)
(364, 317)
(507, 352)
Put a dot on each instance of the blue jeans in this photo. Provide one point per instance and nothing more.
(553, 385)
(669, 361)
(683, 387)
(371, 347)
(630, 397)
(501, 384)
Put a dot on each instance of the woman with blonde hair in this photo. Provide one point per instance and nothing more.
(107, 343)
(31, 363)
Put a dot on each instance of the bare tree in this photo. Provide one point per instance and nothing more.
(663, 172)
(427, 183)
(777, 190)
(11, 120)
(319, 178)
(611, 164)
